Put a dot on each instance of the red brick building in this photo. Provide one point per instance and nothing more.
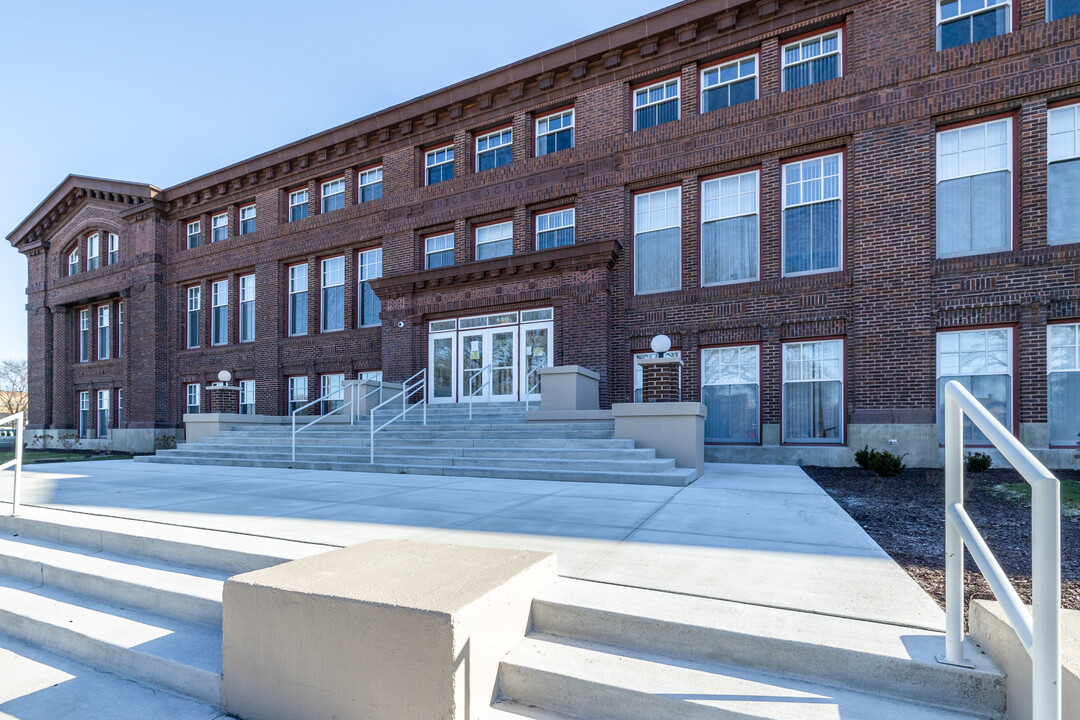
(830, 206)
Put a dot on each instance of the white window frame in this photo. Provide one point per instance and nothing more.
(721, 216)
(428, 251)
(988, 6)
(103, 405)
(120, 329)
(119, 407)
(84, 414)
(550, 213)
(659, 83)
(1010, 412)
(84, 335)
(73, 262)
(219, 298)
(296, 274)
(293, 383)
(194, 306)
(821, 37)
(503, 142)
(560, 114)
(719, 67)
(247, 212)
(325, 194)
(93, 251)
(193, 391)
(843, 391)
(718, 349)
(369, 266)
(247, 306)
(329, 280)
(326, 386)
(295, 201)
(104, 331)
(113, 256)
(433, 155)
(489, 227)
(784, 206)
(636, 232)
(1060, 154)
(366, 178)
(247, 397)
(222, 225)
(194, 228)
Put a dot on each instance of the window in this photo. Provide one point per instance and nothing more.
(103, 413)
(369, 375)
(114, 249)
(119, 407)
(439, 251)
(1063, 175)
(369, 184)
(219, 312)
(333, 393)
(84, 335)
(193, 393)
(555, 132)
(657, 241)
(333, 294)
(981, 360)
(813, 391)
(369, 267)
(298, 394)
(333, 195)
(639, 374)
(813, 215)
(555, 229)
(729, 229)
(247, 308)
(298, 205)
(656, 104)
(194, 308)
(219, 228)
(1057, 9)
(494, 149)
(93, 252)
(439, 165)
(103, 332)
(84, 414)
(120, 329)
(73, 262)
(298, 305)
(494, 241)
(965, 21)
(812, 60)
(730, 389)
(974, 189)
(194, 234)
(1063, 383)
(247, 220)
(247, 397)
(729, 84)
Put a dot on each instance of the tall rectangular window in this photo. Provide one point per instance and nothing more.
(729, 229)
(439, 251)
(656, 104)
(555, 229)
(369, 267)
(369, 184)
(730, 389)
(114, 249)
(247, 308)
(193, 393)
(298, 305)
(813, 378)
(247, 219)
(332, 393)
(247, 397)
(84, 414)
(120, 329)
(494, 241)
(84, 335)
(812, 60)
(73, 262)
(1057, 9)
(103, 332)
(658, 241)
(219, 312)
(729, 84)
(966, 21)
(194, 234)
(981, 360)
(194, 309)
(1063, 383)
(555, 132)
(103, 413)
(1063, 175)
(219, 227)
(439, 165)
(119, 407)
(333, 294)
(813, 215)
(298, 392)
(93, 252)
(333, 195)
(494, 149)
(974, 189)
(298, 205)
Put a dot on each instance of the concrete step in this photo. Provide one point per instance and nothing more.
(588, 680)
(356, 440)
(407, 435)
(567, 451)
(525, 430)
(507, 710)
(869, 657)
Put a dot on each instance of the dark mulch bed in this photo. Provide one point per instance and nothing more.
(906, 516)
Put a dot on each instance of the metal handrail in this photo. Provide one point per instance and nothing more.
(1040, 630)
(472, 393)
(529, 387)
(322, 417)
(19, 419)
(408, 389)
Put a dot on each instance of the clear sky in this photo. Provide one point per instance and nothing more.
(164, 92)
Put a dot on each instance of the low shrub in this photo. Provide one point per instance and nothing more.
(886, 464)
(977, 462)
(862, 457)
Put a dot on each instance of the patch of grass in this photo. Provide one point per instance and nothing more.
(1070, 495)
(52, 456)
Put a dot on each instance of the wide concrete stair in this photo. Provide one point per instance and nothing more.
(605, 652)
(496, 442)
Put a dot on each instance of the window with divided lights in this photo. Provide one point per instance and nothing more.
(84, 335)
(1057, 9)
(333, 294)
(729, 84)
(439, 165)
(103, 413)
(193, 395)
(219, 312)
(729, 229)
(119, 407)
(369, 184)
(298, 205)
(369, 267)
(496, 240)
(298, 299)
(813, 380)
(93, 252)
(333, 392)
(247, 219)
(981, 361)
(974, 189)
(730, 389)
(103, 332)
(73, 262)
(555, 229)
(1063, 175)
(960, 22)
(494, 149)
(812, 60)
(1063, 382)
(813, 215)
(219, 228)
(194, 234)
(247, 308)
(114, 249)
(333, 195)
(298, 392)
(657, 241)
(247, 397)
(194, 308)
(84, 414)
(555, 132)
(656, 104)
(120, 329)
(439, 251)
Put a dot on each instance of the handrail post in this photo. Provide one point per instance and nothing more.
(293, 413)
(1046, 600)
(20, 423)
(371, 435)
(954, 543)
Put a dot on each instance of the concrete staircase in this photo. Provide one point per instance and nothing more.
(495, 443)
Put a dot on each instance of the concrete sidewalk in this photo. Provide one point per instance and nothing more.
(764, 535)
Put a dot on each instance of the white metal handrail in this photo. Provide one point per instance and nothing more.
(1040, 630)
(409, 389)
(472, 393)
(320, 418)
(16, 463)
(530, 385)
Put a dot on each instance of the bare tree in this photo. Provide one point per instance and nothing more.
(13, 386)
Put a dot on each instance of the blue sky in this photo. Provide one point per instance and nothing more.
(164, 92)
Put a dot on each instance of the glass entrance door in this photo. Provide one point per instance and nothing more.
(488, 366)
(536, 353)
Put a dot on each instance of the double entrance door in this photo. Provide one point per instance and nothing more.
(488, 358)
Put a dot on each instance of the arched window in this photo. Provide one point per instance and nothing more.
(114, 249)
(73, 261)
